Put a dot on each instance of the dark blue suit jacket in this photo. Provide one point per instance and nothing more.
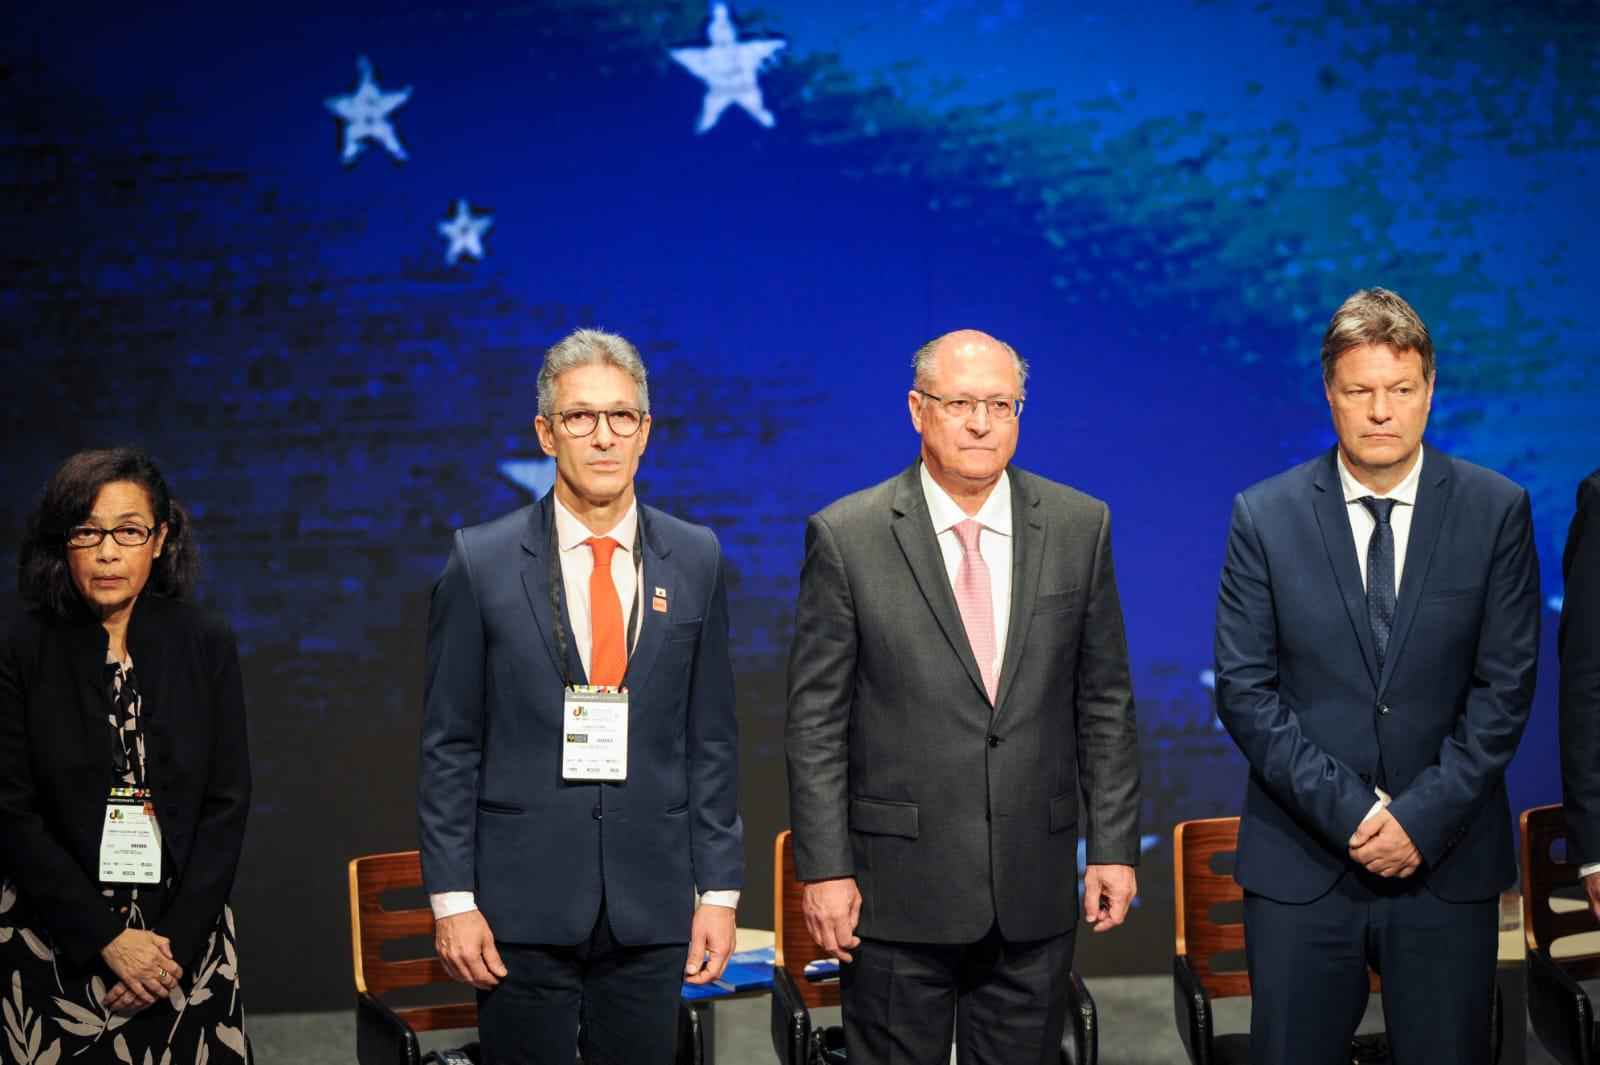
(497, 819)
(1299, 689)
(1579, 647)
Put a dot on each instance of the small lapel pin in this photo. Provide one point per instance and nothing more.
(658, 602)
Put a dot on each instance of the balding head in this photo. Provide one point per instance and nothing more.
(964, 405)
(962, 344)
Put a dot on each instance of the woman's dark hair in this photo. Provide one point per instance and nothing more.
(43, 577)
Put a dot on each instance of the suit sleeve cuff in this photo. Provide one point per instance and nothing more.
(449, 903)
(729, 899)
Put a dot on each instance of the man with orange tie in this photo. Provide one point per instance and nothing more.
(579, 745)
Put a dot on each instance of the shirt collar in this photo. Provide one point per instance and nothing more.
(994, 515)
(1404, 492)
(571, 533)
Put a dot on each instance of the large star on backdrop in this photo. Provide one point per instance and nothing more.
(534, 476)
(465, 232)
(366, 115)
(728, 66)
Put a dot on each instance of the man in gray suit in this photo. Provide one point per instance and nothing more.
(959, 676)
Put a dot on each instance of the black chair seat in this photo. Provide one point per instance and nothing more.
(1560, 1011)
(1232, 1049)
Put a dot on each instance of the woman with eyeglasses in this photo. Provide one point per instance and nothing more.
(124, 784)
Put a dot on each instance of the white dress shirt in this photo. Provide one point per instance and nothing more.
(577, 564)
(994, 544)
(1362, 524)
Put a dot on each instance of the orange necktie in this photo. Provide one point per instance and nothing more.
(608, 651)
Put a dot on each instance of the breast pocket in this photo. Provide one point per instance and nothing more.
(1055, 602)
(1451, 595)
(684, 631)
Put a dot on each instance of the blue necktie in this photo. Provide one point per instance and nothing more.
(1380, 574)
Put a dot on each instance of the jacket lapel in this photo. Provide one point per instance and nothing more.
(658, 573)
(87, 642)
(1339, 542)
(149, 653)
(536, 564)
(1027, 557)
(1433, 499)
(913, 529)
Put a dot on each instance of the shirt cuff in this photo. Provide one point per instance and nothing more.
(449, 903)
(729, 899)
(1589, 870)
(1383, 801)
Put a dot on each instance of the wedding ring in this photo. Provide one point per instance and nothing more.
(161, 972)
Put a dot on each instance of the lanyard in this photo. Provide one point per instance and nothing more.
(123, 760)
(558, 585)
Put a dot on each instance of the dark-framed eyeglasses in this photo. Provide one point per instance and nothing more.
(1000, 409)
(623, 421)
(128, 535)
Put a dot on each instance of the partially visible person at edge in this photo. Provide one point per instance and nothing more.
(124, 783)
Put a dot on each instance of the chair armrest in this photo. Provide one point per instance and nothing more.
(382, 1038)
(1191, 1007)
(1560, 1011)
(1080, 1042)
(691, 1037)
(791, 1020)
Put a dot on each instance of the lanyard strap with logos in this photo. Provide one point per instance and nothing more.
(594, 718)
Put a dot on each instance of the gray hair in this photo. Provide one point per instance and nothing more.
(590, 347)
(922, 364)
(1376, 316)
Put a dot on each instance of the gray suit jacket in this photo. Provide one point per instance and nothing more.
(950, 812)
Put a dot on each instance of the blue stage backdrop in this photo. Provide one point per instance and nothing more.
(310, 260)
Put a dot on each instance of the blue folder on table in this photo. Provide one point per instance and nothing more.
(748, 970)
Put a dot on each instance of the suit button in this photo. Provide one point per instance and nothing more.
(1383, 708)
(596, 813)
(994, 741)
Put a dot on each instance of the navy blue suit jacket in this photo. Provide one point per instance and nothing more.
(1299, 689)
(496, 817)
(1579, 647)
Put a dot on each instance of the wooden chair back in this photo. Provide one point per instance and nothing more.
(1543, 828)
(792, 945)
(1200, 890)
(373, 926)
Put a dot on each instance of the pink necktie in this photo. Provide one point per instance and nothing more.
(976, 604)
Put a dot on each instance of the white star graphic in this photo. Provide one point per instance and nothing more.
(366, 115)
(534, 476)
(465, 232)
(728, 67)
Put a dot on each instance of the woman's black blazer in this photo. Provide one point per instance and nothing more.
(55, 768)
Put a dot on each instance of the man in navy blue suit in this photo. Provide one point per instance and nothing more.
(1579, 648)
(1377, 639)
(565, 831)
